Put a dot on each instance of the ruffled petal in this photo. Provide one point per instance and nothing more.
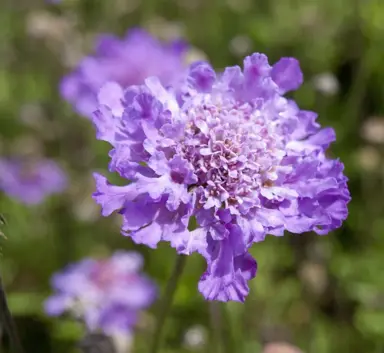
(227, 275)
(299, 224)
(269, 217)
(232, 79)
(105, 124)
(287, 74)
(138, 214)
(202, 76)
(111, 95)
(187, 242)
(112, 198)
(158, 163)
(149, 235)
(166, 98)
(256, 66)
(252, 230)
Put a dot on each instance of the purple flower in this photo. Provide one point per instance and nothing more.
(107, 294)
(31, 181)
(228, 152)
(128, 61)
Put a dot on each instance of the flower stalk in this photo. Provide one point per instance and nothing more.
(216, 326)
(7, 322)
(165, 304)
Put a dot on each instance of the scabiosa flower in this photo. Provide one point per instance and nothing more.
(107, 294)
(229, 153)
(31, 181)
(128, 61)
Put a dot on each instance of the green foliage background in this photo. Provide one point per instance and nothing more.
(324, 294)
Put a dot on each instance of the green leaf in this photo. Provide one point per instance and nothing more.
(370, 323)
(25, 303)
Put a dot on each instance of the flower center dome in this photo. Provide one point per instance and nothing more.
(233, 148)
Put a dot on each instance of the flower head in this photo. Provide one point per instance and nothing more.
(30, 181)
(128, 61)
(228, 152)
(107, 294)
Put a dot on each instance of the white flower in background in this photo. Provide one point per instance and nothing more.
(326, 83)
(239, 6)
(373, 130)
(314, 276)
(280, 347)
(368, 158)
(165, 30)
(122, 342)
(195, 337)
(45, 25)
(240, 45)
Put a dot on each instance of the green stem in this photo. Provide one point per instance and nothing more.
(216, 325)
(7, 322)
(228, 334)
(235, 319)
(167, 302)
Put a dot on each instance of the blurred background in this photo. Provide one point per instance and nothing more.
(323, 294)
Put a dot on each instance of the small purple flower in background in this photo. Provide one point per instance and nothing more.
(31, 181)
(229, 153)
(128, 61)
(106, 294)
